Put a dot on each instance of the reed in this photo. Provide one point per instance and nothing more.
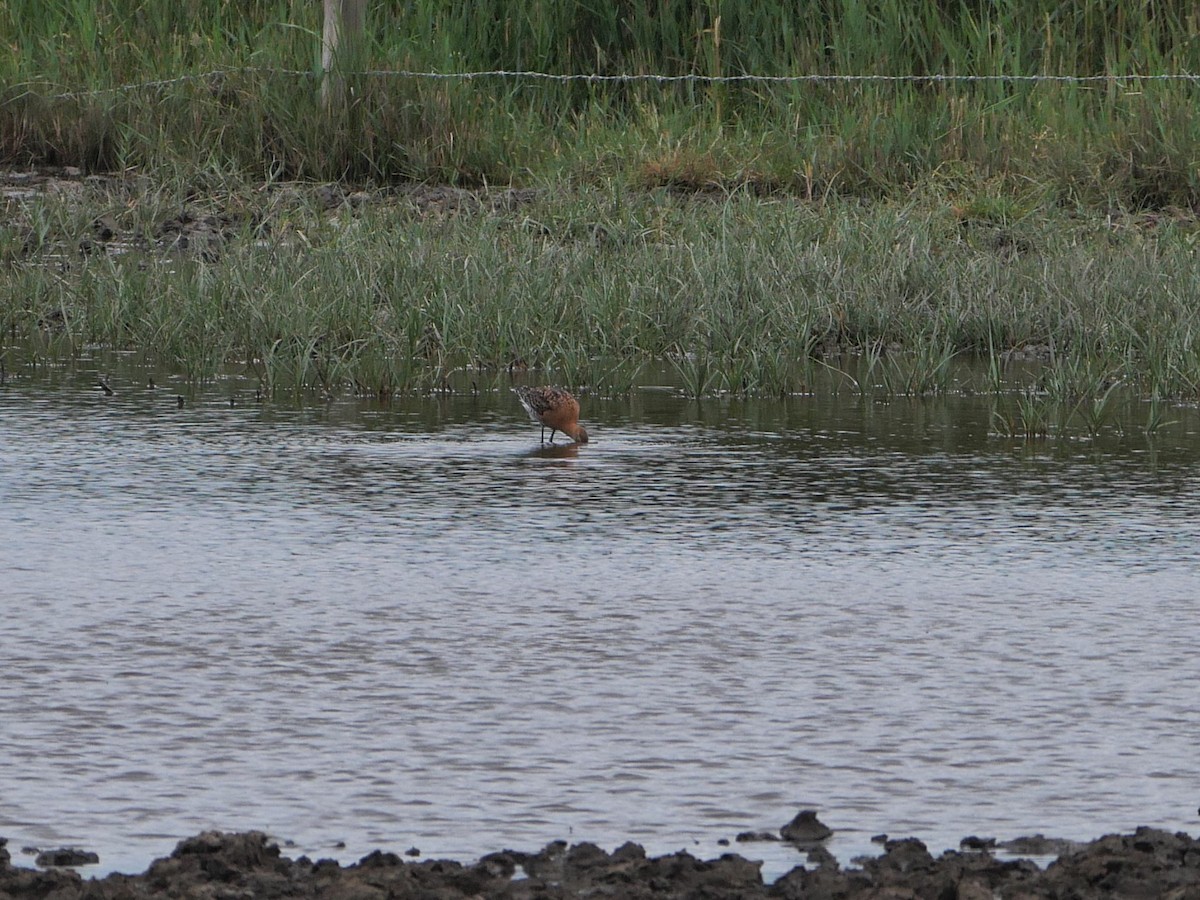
(1098, 412)
(1156, 419)
(698, 376)
(1029, 417)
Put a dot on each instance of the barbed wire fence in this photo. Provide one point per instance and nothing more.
(630, 78)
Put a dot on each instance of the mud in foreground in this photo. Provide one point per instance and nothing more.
(1148, 863)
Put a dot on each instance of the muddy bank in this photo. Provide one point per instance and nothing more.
(119, 214)
(1148, 863)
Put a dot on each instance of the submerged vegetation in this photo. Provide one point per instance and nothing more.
(761, 237)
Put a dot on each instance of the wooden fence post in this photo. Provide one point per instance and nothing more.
(341, 47)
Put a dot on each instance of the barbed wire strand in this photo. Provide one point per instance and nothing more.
(631, 78)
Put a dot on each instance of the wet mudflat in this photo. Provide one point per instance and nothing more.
(361, 626)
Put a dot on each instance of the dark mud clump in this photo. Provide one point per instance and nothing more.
(1148, 863)
(67, 856)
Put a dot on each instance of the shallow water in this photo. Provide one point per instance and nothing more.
(398, 625)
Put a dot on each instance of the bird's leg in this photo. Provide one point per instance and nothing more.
(543, 434)
(552, 431)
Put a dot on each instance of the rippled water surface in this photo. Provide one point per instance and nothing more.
(406, 625)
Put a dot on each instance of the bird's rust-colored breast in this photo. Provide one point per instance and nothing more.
(556, 407)
(553, 407)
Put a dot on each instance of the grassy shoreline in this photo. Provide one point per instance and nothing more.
(311, 289)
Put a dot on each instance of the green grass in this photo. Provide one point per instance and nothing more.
(410, 291)
(69, 95)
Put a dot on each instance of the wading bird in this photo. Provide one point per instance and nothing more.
(553, 408)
